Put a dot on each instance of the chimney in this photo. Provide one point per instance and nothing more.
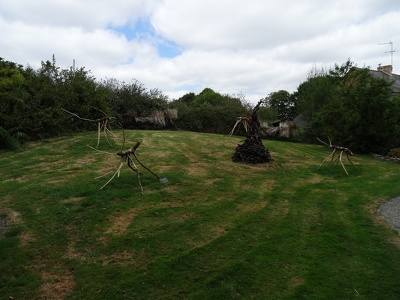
(387, 69)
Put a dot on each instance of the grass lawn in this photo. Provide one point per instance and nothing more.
(216, 230)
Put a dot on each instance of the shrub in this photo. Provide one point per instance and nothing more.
(394, 153)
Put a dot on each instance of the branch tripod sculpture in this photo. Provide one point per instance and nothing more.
(241, 120)
(102, 124)
(125, 155)
(339, 158)
(127, 159)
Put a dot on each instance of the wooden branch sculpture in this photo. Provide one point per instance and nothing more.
(102, 124)
(126, 158)
(252, 150)
(339, 158)
(241, 120)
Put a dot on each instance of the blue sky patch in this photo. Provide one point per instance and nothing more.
(144, 31)
(168, 49)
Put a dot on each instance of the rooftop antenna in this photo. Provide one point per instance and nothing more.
(391, 51)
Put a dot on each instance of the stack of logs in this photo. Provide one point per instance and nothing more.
(252, 150)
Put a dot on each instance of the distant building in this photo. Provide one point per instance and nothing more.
(385, 72)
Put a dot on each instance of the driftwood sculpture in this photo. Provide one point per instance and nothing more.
(252, 150)
(241, 120)
(339, 157)
(102, 124)
(127, 159)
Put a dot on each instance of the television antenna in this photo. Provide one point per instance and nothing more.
(391, 51)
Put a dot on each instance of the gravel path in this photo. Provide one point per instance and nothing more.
(390, 212)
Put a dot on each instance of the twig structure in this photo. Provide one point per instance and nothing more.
(126, 158)
(102, 124)
(241, 120)
(252, 150)
(339, 157)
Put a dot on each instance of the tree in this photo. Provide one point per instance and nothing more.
(130, 101)
(350, 106)
(208, 111)
(283, 103)
(13, 104)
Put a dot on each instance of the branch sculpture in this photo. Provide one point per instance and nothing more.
(339, 157)
(127, 159)
(241, 120)
(102, 124)
(252, 150)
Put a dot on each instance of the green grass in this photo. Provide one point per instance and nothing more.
(216, 230)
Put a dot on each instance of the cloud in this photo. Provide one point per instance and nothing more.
(254, 47)
(88, 14)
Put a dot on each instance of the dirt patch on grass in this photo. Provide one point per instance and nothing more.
(268, 185)
(214, 234)
(212, 180)
(278, 209)
(73, 199)
(311, 180)
(121, 222)
(11, 217)
(168, 169)
(56, 286)
(72, 253)
(196, 170)
(137, 259)
(251, 207)
(22, 178)
(296, 282)
(27, 238)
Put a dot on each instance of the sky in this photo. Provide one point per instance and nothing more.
(249, 48)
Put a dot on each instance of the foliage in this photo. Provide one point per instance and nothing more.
(267, 114)
(31, 101)
(394, 153)
(313, 94)
(216, 230)
(132, 100)
(283, 103)
(351, 107)
(208, 111)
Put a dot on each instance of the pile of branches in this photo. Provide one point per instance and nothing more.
(252, 150)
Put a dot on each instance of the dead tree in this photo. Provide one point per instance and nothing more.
(339, 157)
(127, 159)
(252, 150)
(102, 124)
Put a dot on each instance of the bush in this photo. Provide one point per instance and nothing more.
(208, 111)
(394, 153)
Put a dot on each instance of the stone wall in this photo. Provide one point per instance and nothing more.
(387, 158)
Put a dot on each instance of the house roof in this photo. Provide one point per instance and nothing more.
(389, 77)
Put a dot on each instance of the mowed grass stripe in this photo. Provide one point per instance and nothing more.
(216, 229)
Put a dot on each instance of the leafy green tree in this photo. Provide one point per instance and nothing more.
(208, 111)
(313, 94)
(13, 104)
(351, 106)
(283, 103)
(31, 101)
(268, 114)
(54, 88)
(132, 100)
